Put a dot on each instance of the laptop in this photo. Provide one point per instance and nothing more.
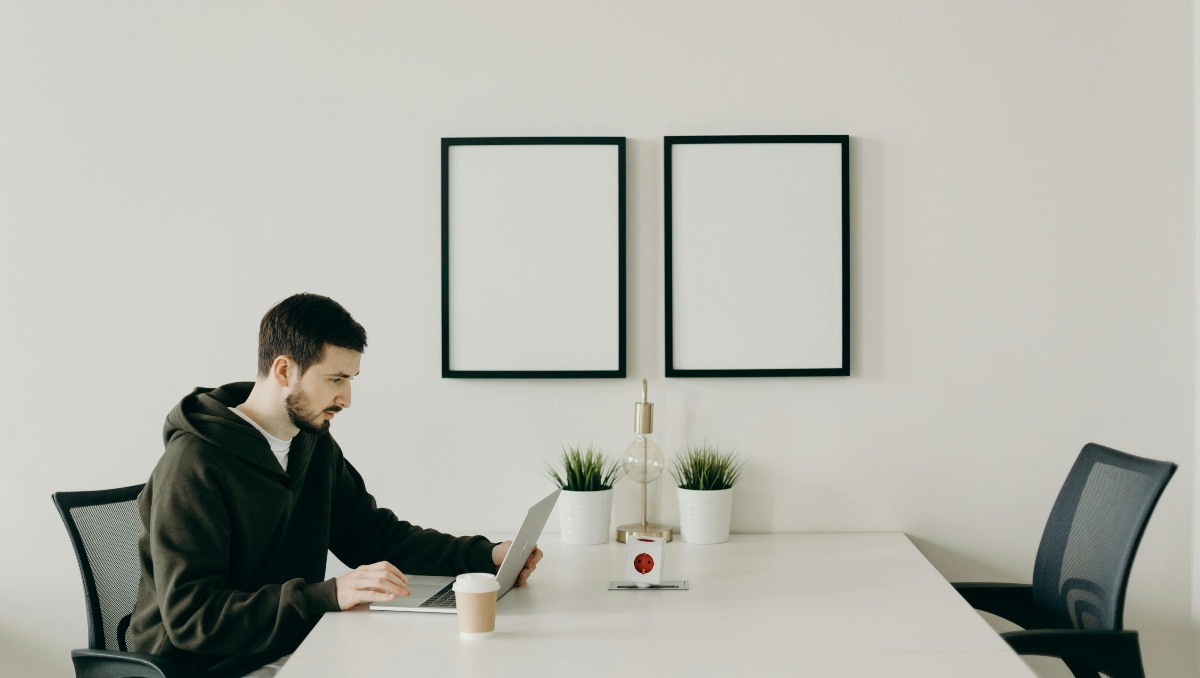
(435, 594)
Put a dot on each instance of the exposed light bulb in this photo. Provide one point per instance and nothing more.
(643, 460)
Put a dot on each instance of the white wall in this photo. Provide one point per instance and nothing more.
(1023, 255)
(1196, 221)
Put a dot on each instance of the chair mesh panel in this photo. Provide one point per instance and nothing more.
(1090, 540)
(110, 540)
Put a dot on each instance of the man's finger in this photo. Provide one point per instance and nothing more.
(384, 571)
(386, 566)
(375, 579)
(400, 585)
(389, 582)
(534, 558)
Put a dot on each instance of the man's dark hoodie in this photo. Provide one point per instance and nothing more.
(233, 549)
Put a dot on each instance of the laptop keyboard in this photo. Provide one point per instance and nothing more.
(443, 598)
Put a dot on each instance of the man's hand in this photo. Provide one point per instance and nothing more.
(501, 550)
(370, 583)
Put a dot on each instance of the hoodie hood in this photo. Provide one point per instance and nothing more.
(204, 413)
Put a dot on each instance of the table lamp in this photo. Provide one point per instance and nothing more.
(643, 464)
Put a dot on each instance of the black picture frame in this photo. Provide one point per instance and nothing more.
(533, 257)
(757, 255)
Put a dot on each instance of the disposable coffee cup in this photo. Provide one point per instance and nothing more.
(475, 596)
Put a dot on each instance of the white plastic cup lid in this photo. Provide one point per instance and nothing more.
(476, 582)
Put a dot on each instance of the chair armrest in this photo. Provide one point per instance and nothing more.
(110, 664)
(1013, 602)
(1114, 653)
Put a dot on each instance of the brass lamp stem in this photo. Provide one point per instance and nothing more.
(644, 462)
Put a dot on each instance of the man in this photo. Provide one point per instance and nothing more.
(252, 492)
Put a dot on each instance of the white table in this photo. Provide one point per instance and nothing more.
(795, 604)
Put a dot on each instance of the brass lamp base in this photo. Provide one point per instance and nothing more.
(636, 530)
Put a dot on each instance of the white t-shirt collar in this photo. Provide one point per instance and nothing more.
(279, 447)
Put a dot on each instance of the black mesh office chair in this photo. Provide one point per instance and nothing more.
(1074, 607)
(104, 528)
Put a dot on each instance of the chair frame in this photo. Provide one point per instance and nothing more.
(98, 661)
(1086, 652)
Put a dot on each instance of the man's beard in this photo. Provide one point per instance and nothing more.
(296, 404)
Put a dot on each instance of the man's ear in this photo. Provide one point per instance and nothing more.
(282, 369)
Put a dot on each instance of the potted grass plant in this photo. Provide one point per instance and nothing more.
(705, 476)
(585, 505)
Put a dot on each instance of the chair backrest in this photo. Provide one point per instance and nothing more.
(104, 526)
(1087, 549)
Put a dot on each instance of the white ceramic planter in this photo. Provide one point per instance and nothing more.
(704, 515)
(585, 516)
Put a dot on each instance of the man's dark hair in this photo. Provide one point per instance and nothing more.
(300, 327)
